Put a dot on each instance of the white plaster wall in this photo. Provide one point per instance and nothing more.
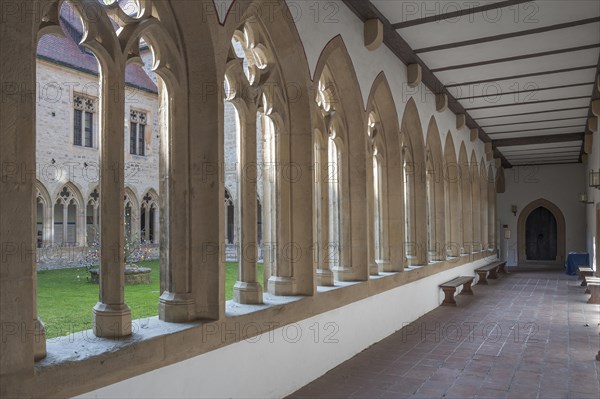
(559, 184)
(292, 356)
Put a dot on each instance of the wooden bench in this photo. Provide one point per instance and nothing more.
(492, 268)
(584, 272)
(502, 267)
(590, 280)
(450, 287)
(594, 289)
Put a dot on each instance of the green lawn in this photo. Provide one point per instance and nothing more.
(66, 298)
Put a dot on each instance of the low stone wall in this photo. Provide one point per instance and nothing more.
(133, 275)
(70, 257)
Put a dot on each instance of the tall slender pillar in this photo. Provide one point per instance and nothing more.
(324, 273)
(65, 224)
(372, 215)
(112, 317)
(176, 303)
(247, 290)
(147, 224)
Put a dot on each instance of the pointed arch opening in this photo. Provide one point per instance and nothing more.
(452, 177)
(415, 211)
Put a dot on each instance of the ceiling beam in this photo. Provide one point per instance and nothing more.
(365, 10)
(552, 100)
(554, 138)
(510, 151)
(517, 57)
(533, 113)
(548, 163)
(540, 121)
(511, 35)
(546, 155)
(526, 75)
(455, 14)
(534, 130)
(512, 93)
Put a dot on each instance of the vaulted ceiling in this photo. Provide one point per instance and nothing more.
(524, 72)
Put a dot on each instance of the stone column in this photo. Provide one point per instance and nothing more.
(247, 290)
(17, 182)
(176, 303)
(324, 273)
(65, 224)
(80, 227)
(276, 200)
(47, 231)
(147, 224)
(112, 317)
(371, 214)
(156, 226)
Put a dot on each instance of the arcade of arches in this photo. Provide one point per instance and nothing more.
(365, 192)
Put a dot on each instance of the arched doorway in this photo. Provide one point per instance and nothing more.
(540, 235)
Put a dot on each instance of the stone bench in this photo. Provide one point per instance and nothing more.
(584, 272)
(492, 268)
(450, 287)
(590, 280)
(594, 289)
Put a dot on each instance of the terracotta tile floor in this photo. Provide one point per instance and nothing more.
(526, 335)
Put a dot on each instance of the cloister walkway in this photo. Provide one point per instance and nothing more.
(526, 335)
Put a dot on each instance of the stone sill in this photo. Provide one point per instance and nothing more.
(89, 363)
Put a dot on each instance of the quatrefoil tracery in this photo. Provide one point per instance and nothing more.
(257, 56)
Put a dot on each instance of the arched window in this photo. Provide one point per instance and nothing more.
(452, 175)
(252, 67)
(149, 218)
(430, 200)
(337, 250)
(408, 181)
(379, 259)
(491, 192)
(476, 203)
(67, 221)
(466, 200)
(92, 218)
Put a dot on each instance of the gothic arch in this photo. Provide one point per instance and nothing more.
(436, 195)
(466, 200)
(381, 103)
(491, 192)
(560, 226)
(476, 202)
(413, 148)
(452, 174)
(339, 92)
(273, 75)
(484, 210)
(44, 221)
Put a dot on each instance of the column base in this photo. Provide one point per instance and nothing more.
(386, 266)
(247, 293)
(175, 308)
(325, 278)
(39, 340)
(413, 261)
(281, 286)
(112, 321)
(343, 273)
(373, 269)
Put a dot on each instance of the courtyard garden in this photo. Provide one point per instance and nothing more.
(66, 297)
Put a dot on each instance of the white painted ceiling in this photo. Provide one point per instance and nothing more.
(485, 76)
